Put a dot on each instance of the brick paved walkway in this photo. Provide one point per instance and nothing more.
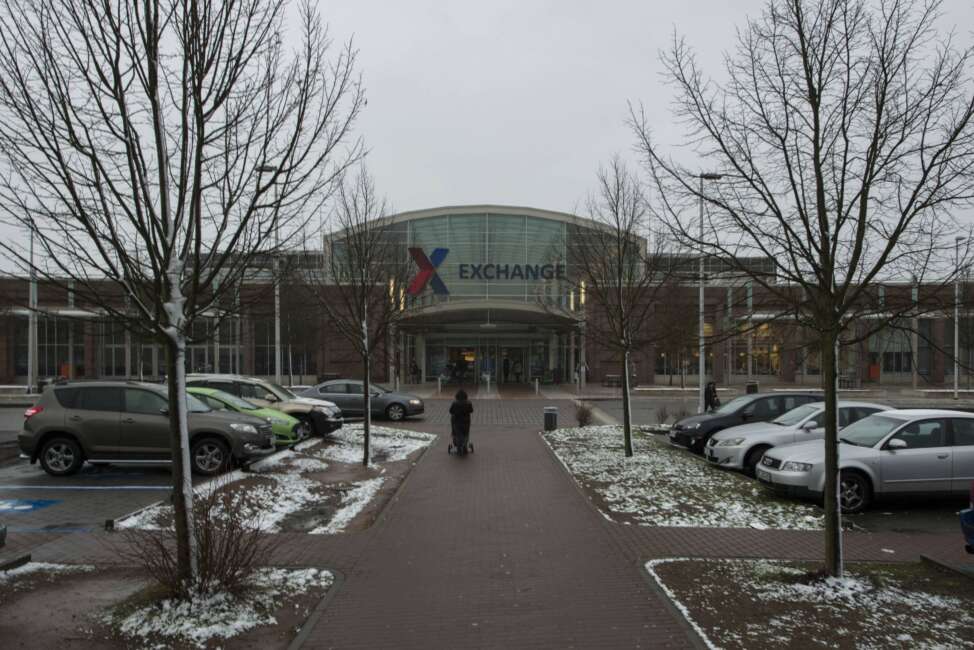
(497, 550)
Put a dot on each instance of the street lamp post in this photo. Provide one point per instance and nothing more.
(702, 368)
(957, 243)
(270, 169)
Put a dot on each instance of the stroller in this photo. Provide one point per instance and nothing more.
(460, 412)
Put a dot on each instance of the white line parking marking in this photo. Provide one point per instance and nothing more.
(85, 487)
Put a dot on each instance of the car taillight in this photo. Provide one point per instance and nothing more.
(32, 411)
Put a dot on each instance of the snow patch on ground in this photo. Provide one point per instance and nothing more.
(393, 444)
(353, 502)
(47, 568)
(664, 486)
(221, 615)
(884, 612)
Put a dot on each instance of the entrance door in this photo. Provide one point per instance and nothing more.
(513, 369)
(462, 364)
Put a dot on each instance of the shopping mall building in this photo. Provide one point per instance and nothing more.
(494, 297)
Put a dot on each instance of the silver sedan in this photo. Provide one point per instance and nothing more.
(741, 447)
(894, 453)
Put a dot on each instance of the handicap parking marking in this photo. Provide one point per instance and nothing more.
(71, 488)
(21, 506)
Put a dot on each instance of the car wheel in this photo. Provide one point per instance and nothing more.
(61, 457)
(753, 458)
(395, 412)
(209, 456)
(855, 492)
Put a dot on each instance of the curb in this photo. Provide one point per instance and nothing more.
(597, 413)
(951, 568)
(312, 621)
(13, 563)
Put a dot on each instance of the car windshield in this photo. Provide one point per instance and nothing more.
(233, 401)
(869, 430)
(281, 392)
(196, 405)
(796, 415)
(734, 404)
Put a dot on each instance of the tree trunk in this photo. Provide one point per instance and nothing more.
(833, 532)
(626, 405)
(367, 401)
(182, 480)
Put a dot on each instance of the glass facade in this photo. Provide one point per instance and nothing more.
(494, 256)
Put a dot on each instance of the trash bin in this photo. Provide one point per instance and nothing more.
(751, 387)
(550, 418)
(44, 383)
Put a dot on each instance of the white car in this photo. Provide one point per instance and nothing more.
(741, 447)
(909, 451)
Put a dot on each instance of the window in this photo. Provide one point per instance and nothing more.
(225, 386)
(66, 397)
(819, 420)
(332, 389)
(100, 399)
(248, 391)
(145, 402)
(922, 435)
(214, 404)
(963, 432)
(113, 351)
(762, 408)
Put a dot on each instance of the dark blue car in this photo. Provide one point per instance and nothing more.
(967, 523)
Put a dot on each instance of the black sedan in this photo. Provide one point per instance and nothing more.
(693, 432)
(347, 394)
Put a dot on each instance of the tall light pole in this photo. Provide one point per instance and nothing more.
(270, 169)
(702, 370)
(32, 370)
(957, 243)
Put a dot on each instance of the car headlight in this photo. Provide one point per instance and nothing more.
(690, 427)
(795, 466)
(243, 428)
(327, 410)
(415, 402)
(278, 422)
(730, 442)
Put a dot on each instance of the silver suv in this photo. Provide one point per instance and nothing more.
(128, 422)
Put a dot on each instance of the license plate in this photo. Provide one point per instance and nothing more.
(764, 476)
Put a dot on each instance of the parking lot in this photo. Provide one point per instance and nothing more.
(907, 515)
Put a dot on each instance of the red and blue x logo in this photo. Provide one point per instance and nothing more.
(427, 271)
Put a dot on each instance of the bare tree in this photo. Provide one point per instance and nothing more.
(361, 284)
(620, 267)
(141, 142)
(845, 139)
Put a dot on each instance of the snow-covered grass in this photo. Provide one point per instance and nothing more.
(285, 486)
(387, 443)
(221, 615)
(664, 486)
(353, 502)
(762, 603)
(32, 569)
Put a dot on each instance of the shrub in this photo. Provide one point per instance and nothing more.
(583, 414)
(228, 547)
(662, 415)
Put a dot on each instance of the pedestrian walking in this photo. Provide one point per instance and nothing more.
(460, 411)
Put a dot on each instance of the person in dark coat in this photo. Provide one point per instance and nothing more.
(710, 399)
(460, 412)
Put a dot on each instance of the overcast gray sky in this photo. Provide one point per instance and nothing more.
(518, 101)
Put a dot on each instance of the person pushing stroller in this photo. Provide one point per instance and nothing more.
(460, 412)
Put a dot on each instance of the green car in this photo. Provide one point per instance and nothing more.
(287, 430)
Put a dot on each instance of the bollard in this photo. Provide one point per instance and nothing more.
(550, 418)
(536, 389)
(439, 385)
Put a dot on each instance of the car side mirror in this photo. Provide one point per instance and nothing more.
(809, 425)
(270, 397)
(896, 443)
(164, 411)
